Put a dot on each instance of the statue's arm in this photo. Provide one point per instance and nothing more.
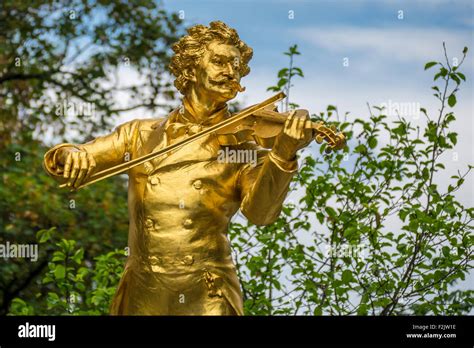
(264, 187)
(101, 153)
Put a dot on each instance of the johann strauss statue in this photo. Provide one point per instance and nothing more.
(180, 205)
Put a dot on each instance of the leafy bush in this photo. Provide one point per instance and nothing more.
(96, 218)
(373, 233)
(74, 285)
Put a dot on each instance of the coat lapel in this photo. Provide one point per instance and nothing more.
(152, 138)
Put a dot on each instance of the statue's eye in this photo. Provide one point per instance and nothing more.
(217, 61)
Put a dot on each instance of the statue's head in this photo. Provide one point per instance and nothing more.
(211, 60)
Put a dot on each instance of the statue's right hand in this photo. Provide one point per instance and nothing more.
(78, 166)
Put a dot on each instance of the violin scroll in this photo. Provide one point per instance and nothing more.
(336, 140)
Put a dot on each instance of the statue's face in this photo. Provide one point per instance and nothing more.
(217, 68)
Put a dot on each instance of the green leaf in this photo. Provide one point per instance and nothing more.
(282, 72)
(446, 251)
(320, 217)
(360, 149)
(346, 276)
(273, 89)
(47, 279)
(53, 298)
(331, 212)
(58, 256)
(442, 73)
(294, 49)
(449, 118)
(372, 142)
(453, 137)
(282, 82)
(362, 310)
(430, 64)
(60, 272)
(452, 100)
(45, 235)
(350, 232)
(299, 72)
(80, 286)
(403, 214)
(78, 256)
(455, 78)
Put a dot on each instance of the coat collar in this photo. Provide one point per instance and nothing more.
(155, 136)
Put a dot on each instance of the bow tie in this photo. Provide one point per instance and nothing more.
(181, 123)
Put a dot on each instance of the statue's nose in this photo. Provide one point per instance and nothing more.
(231, 71)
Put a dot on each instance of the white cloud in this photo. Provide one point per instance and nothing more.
(400, 43)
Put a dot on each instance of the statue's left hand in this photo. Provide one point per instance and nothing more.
(293, 137)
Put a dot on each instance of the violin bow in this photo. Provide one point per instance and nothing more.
(123, 167)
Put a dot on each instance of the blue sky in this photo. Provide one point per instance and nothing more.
(378, 44)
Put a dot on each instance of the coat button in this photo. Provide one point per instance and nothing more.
(153, 180)
(149, 223)
(188, 223)
(188, 260)
(197, 184)
(154, 260)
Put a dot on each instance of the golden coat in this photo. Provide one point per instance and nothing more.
(180, 207)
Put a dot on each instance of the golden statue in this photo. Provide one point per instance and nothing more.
(182, 191)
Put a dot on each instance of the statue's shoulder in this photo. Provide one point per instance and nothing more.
(144, 124)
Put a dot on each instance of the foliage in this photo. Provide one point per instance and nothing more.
(30, 201)
(284, 78)
(73, 285)
(54, 55)
(60, 63)
(373, 232)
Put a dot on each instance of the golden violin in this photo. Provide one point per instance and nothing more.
(257, 123)
(263, 126)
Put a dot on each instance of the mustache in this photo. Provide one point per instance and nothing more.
(233, 83)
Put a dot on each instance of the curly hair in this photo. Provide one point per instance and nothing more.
(190, 49)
